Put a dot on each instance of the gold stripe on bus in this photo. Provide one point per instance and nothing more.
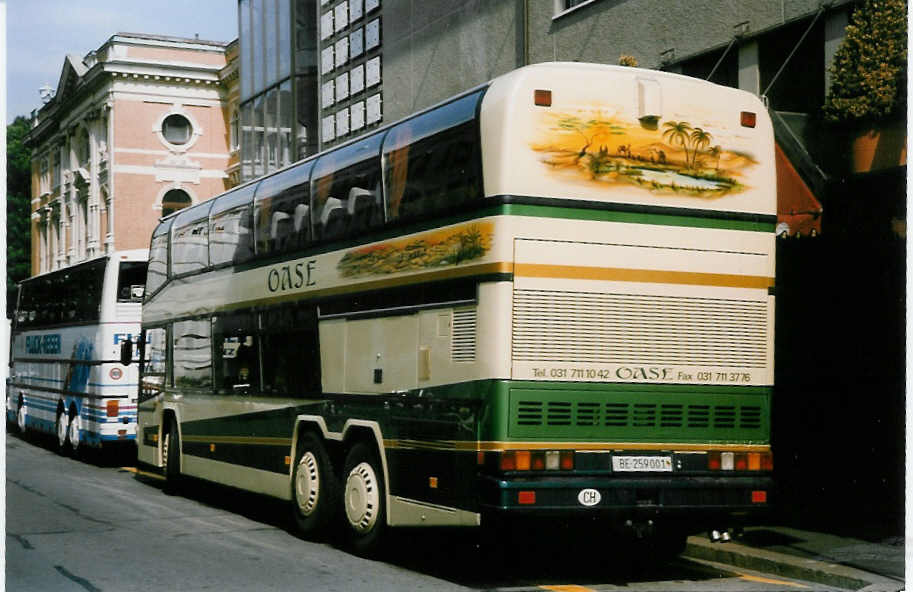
(264, 441)
(415, 278)
(469, 445)
(616, 274)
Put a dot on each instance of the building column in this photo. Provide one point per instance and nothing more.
(835, 22)
(92, 213)
(749, 68)
(71, 197)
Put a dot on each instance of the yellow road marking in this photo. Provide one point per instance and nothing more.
(143, 473)
(770, 581)
(568, 588)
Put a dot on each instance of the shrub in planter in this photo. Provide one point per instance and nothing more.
(869, 80)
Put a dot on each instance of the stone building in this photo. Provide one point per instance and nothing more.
(136, 129)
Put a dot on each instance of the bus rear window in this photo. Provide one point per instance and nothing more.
(131, 280)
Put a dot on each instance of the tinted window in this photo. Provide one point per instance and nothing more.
(237, 365)
(230, 227)
(157, 272)
(282, 210)
(68, 296)
(154, 360)
(192, 354)
(346, 191)
(432, 161)
(131, 281)
(190, 240)
(291, 354)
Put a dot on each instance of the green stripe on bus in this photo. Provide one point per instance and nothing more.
(571, 213)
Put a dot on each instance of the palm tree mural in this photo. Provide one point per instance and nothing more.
(715, 152)
(701, 140)
(606, 149)
(677, 131)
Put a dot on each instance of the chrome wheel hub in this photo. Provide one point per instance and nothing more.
(362, 498)
(307, 483)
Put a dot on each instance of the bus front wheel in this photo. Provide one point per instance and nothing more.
(171, 457)
(363, 500)
(314, 487)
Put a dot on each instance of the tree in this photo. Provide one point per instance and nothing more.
(701, 140)
(678, 131)
(869, 73)
(18, 208)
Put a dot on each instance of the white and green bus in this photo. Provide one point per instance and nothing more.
(550, 296)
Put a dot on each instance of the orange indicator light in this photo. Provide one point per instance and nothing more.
(542, 97)
(432, 482)
(754, 461)
(523, 460)
(112, 408)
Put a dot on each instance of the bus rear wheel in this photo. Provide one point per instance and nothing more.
(171, 457)
(314, 487)
(363, 500)
(73, 430)
(61, 428)
(21, 413)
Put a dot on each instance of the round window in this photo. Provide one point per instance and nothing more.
(176, 129)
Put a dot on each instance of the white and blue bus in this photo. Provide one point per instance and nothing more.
(65, 375)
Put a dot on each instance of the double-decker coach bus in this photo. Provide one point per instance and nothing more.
(551, 295)
(66, 377)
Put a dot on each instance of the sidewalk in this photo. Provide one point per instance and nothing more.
(812, 556)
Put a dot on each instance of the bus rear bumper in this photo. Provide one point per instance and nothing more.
(697, 499)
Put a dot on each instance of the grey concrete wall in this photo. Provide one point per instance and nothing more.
(434, 49)
(604, 29)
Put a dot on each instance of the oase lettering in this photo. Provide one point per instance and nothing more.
(643, 373)
(291, 277)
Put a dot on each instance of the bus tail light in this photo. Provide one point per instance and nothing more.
(740, 461)
(112, 408)
(526, 498)
(759, 497)
(749, 119)
(536, 460)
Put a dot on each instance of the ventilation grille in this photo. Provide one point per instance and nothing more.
(552, 326)
(463, 336)
(638, 415)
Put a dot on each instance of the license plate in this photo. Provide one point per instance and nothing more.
(642, 463)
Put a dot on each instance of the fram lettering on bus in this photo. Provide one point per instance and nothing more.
(43, 344)
(291, 277)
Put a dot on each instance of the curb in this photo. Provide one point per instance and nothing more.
(787, 566)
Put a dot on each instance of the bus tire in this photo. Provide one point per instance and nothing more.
(364, 500)
(314, 487)
(61, 429)
(73, 427)
(171, 456)
(21, 413)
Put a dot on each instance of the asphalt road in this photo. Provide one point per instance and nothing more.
(106, 525)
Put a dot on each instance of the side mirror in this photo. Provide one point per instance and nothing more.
(126, 352)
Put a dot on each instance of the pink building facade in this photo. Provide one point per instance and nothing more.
(136, 129)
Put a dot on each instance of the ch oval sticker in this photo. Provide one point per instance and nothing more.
(589, 497)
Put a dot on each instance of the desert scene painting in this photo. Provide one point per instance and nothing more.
(669, 157)
(441, 248)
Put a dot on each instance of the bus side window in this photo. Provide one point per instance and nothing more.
(192, 354)
(155, 359)
(281, 211)
(432, 161)
(290, 351)
(346, 190)
(236, 356)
